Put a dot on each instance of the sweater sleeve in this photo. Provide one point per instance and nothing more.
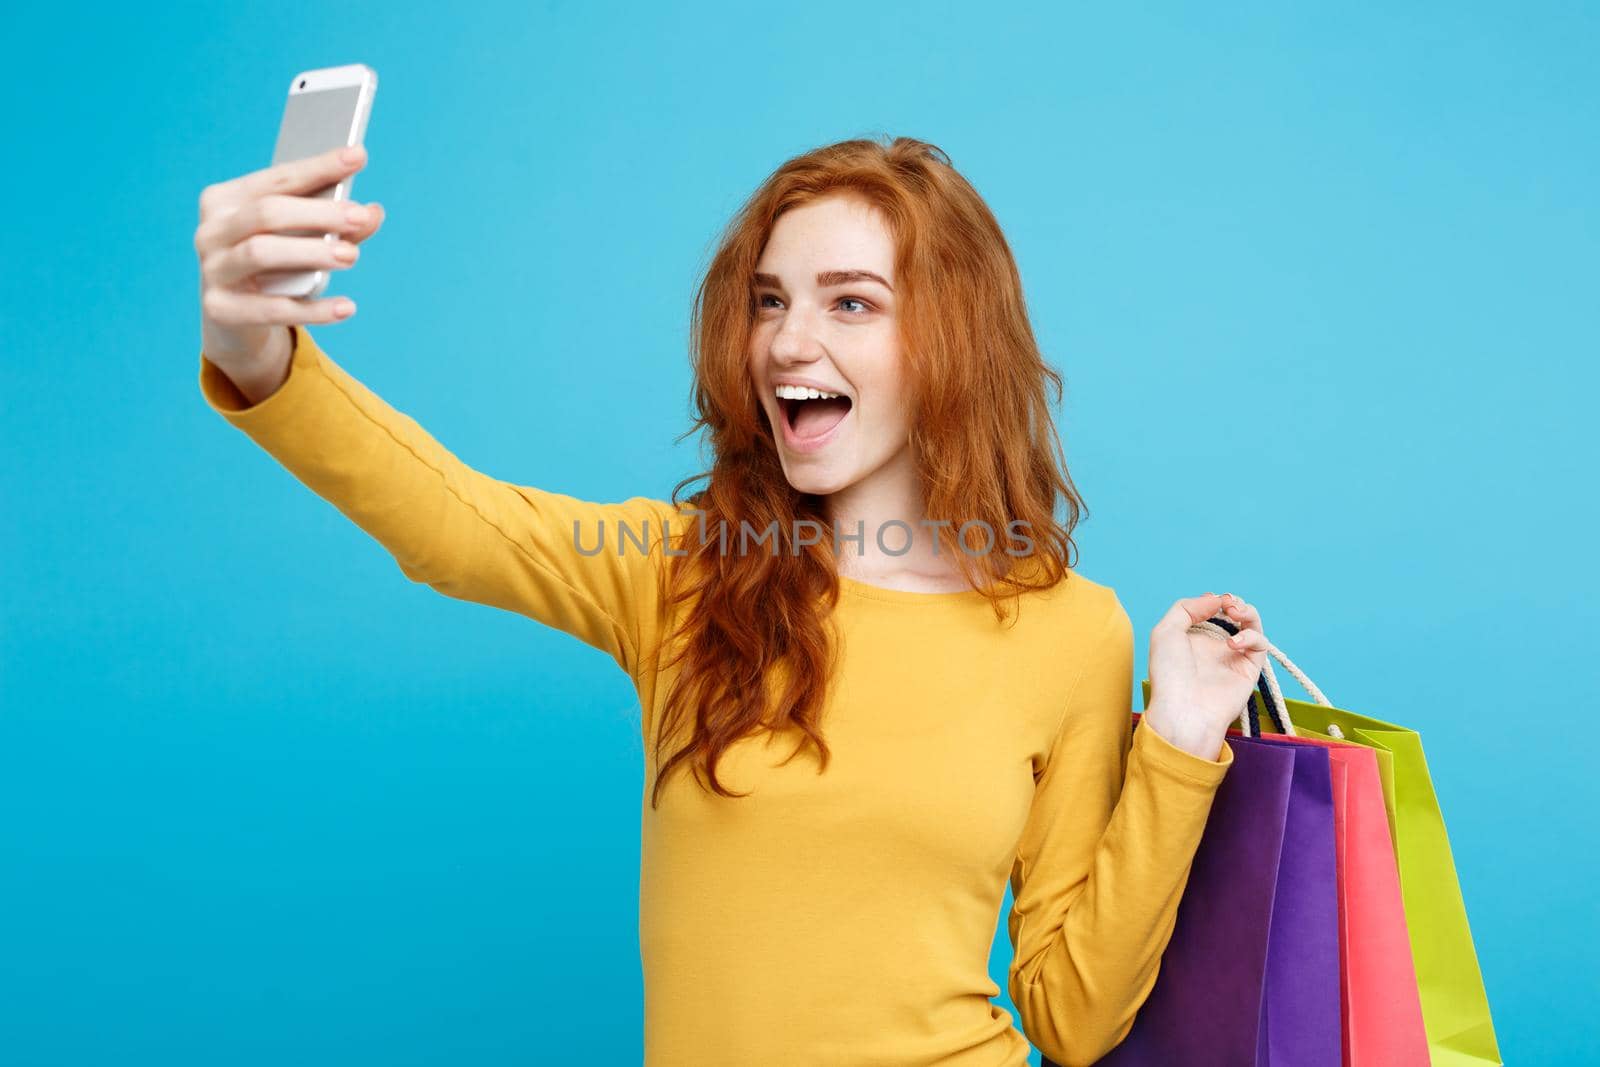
(459, 531)
(1103, 861)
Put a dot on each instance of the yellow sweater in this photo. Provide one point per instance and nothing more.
(844, 918)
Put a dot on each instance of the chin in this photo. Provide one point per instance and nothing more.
(817, 486)
(815, 482)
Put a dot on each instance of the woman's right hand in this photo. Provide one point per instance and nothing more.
(239, 238)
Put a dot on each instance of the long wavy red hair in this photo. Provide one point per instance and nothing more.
(755, 639)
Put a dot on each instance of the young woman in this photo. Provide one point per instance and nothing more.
(873, 688)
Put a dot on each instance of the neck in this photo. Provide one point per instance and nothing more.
(888, 509)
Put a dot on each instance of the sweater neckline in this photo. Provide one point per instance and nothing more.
(861, 589)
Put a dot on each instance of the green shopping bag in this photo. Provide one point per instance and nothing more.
(1455, 1005)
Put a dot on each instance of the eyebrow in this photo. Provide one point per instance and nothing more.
(827, 278)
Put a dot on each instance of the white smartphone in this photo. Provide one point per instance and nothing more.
(326, 109)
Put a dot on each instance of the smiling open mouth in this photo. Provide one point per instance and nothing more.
(810, 419)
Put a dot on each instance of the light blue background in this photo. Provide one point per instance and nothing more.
(1322, 282)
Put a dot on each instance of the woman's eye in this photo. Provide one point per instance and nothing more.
(865, 307)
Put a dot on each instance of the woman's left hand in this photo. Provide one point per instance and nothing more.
(1198, 684)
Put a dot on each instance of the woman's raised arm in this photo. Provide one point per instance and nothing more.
(456, 529)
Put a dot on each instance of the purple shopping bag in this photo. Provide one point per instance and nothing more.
(1251, 975)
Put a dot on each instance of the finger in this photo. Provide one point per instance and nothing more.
(1249, 641)
(310, 214)
(361, 233)
(232, 307)
(1186, 612)
(270, 252)
(1249, 646)
(300, 176)
(1242, 613)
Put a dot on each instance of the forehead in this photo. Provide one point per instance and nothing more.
(831, 233)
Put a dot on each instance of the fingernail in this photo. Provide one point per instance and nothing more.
(356, 215)
(351, 155)
(343, 308)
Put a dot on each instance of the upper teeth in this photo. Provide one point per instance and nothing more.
(804, 392)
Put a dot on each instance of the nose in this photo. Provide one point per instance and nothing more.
(796, 341)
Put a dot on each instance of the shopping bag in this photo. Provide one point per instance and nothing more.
(1250, 976)
(1380, 1008)
(1382, 1011)
(1454, 1001)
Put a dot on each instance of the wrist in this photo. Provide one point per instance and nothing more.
(257, 375)
(1197, 739)
(260, 382)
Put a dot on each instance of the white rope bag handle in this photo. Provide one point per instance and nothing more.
(1211, 629)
